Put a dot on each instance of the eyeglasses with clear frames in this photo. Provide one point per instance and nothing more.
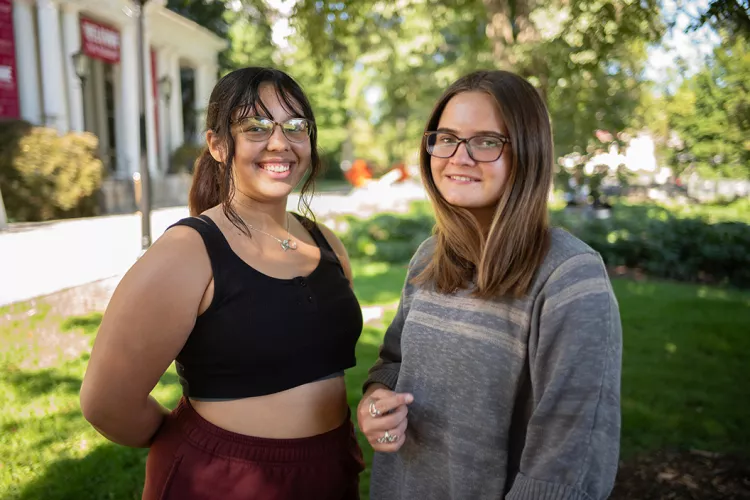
(482, 148)
(260, 128)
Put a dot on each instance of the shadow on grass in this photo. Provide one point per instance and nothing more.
(685, 349)
(109, 471)
(89, 323)
(37, 383)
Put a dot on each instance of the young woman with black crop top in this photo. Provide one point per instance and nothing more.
(255, 306)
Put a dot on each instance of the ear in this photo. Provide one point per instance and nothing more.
(216, 147)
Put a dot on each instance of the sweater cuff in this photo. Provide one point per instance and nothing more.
(382, 376)
(526, 488)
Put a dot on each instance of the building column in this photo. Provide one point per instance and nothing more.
(205, 79)
(53, 75)
(26, 62)
(129, 157)
(177, 125)
(71, 45)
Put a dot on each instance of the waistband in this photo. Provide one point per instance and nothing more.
(213, 439)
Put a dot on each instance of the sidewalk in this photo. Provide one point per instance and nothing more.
(40, 259)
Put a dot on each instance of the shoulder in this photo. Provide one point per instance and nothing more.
(180, 244)
(333, 240)
(568, 261)
(423, 254)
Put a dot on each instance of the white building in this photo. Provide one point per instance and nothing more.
(40, 43)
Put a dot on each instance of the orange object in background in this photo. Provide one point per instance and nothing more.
(359, 173)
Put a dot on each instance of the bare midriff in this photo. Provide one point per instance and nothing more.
(304, 411)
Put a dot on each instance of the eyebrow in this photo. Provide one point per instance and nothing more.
(478, 132)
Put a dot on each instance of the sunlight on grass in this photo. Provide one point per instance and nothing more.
(686, 349)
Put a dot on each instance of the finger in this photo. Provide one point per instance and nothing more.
(378, 425)
(381, 394)
(398, 435)
(390, 403)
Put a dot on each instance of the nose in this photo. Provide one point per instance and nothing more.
(277, 141)
(461, 156)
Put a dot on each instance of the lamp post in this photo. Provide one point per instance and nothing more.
(165, 88)
(145, 178)
(81, 67)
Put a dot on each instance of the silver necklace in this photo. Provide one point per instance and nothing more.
(287, 244)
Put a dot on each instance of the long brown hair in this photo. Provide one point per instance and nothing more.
(503, 260)
(235, 96)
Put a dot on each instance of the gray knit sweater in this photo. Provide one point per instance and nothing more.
(513, 398)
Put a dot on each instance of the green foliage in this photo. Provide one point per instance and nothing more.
(585, 57)
(183, 158)
(691, 244)
(662, 244)
(387, 237)
(45, 176)
(711, 114)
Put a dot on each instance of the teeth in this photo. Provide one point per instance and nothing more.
(275, 167)
(461, 178)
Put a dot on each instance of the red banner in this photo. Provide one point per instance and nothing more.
(100, 41)
(9, 107)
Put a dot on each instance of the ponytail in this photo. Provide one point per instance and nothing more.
(205, 191)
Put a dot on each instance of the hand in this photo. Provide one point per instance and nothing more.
(382, 418)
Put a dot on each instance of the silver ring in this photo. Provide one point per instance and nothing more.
(387, 438)
(374, 412)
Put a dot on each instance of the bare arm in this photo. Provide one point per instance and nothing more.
(147, 322)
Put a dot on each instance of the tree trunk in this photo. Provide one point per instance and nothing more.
(509, 29)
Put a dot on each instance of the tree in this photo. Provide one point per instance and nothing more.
(711, 114)
(585, 57)
(245, 23)
(730, 15)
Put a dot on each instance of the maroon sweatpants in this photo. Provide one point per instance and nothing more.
(192, 459)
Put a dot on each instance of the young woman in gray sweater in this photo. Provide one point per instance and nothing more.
(499, 377)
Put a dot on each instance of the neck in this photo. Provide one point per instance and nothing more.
(261, 215)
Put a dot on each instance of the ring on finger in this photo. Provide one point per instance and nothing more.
(374, 412)
(387, 438)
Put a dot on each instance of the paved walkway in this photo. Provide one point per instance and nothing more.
(39, 259)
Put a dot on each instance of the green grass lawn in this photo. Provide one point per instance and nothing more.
(687, 349)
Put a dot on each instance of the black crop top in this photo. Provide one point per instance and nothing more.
(263, 335)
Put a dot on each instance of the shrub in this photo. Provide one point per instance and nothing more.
(44, 175)
(663, 245)
(183, 158)
(643, 237)
(388, 237)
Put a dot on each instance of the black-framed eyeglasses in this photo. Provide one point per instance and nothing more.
(260, 128)
(484, 148)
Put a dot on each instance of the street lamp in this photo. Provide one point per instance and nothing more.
(145, 201)
(165, 88)
(81, 66)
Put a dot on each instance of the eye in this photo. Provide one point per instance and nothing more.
(487, 142)
(446, 139)
(296, 125)
(255, 125)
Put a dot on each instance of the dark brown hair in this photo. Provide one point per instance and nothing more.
(503, 260)
(235, 96)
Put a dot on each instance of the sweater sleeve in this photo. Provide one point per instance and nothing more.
(386, 369)
(572, 442)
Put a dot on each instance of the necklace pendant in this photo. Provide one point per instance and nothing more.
(288, 245)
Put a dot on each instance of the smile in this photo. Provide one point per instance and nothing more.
(278, 168)
(462, 178)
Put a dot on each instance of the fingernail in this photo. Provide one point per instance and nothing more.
(409, 398)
